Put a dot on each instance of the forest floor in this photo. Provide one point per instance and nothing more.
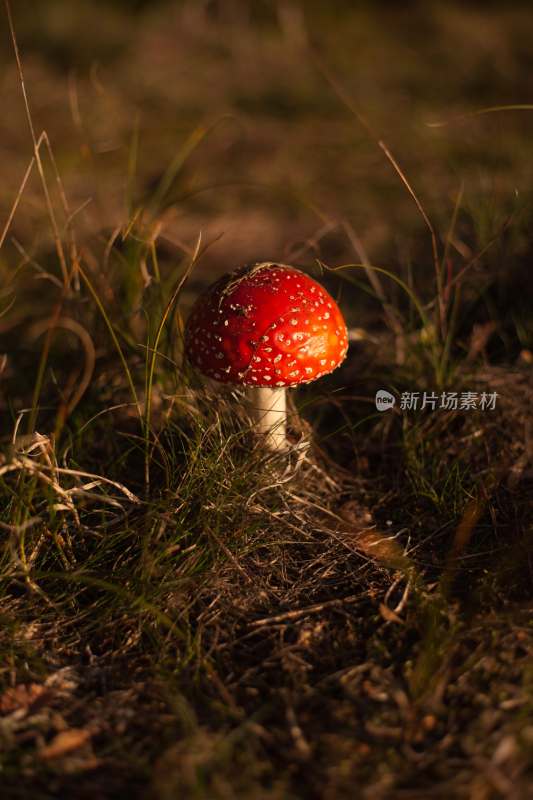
(182, 614)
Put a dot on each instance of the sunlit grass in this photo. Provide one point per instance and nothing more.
(265, 625)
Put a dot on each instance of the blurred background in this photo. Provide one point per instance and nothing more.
(303, 132)
(231, 118)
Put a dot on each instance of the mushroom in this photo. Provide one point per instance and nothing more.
(267, 327)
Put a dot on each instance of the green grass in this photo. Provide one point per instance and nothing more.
(218, 622)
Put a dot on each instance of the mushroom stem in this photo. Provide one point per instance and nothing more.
(268, 411)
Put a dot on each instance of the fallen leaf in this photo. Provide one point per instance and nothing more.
(23, 697)
(375, 544)
(65, 742)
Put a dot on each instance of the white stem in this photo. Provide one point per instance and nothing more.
(268, 410)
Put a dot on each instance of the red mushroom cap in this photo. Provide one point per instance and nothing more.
(266, 325)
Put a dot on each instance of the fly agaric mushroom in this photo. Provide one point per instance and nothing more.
(267, 327)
